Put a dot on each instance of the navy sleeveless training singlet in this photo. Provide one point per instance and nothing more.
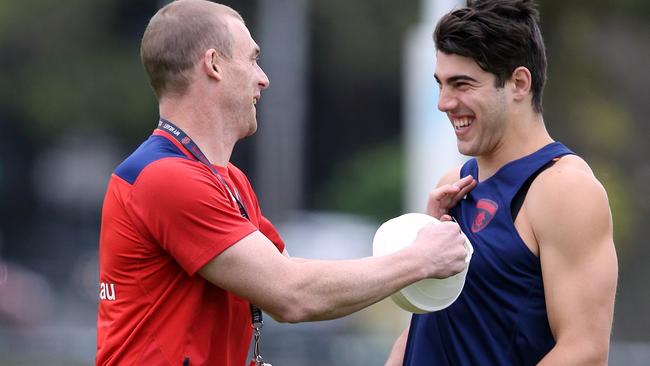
(500, 317)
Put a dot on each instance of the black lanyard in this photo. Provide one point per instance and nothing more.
(191, 146)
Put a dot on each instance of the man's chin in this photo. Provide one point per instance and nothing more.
(252, 129)
(465, 150)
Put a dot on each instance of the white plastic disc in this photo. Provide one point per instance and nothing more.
(429, 294)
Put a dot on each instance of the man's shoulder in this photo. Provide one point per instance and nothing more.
(153, 150)
(567, 193)
(568, 174)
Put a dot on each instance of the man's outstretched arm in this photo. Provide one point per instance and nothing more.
(295, 291)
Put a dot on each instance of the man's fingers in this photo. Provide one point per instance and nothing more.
(464, 182)
(467, 186)
(441, 197)
(448, 190)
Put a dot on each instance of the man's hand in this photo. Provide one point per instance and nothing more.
(442, 247)
(447, 196)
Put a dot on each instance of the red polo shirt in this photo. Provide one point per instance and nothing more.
(165, 216)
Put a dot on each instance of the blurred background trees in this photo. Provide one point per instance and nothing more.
(74, 100)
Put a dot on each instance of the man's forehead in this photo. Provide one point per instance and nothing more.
(242, 35)
(449, 65)
(236, 25)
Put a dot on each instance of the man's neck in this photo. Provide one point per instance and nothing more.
(524, 138)
(205, 129)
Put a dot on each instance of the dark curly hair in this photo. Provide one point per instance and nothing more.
(500, 35)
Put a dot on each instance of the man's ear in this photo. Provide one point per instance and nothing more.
(211, 64)
(521, 80)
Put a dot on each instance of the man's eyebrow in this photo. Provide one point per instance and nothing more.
(456, 78)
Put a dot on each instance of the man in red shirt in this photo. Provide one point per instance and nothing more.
(184, 249)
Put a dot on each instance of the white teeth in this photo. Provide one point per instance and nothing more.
(254, 101)
(458, 123)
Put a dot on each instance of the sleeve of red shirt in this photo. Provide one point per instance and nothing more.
(182, 207)
(267, 228)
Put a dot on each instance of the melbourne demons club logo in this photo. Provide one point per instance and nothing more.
(485, 211)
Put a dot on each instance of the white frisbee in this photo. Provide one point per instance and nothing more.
(425, 295)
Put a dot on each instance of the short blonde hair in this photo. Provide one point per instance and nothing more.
(175, 38)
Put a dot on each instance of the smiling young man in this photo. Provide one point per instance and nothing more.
(541, 284)
(184, 249)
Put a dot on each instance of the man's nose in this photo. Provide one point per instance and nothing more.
(446, 100)
(264, 81)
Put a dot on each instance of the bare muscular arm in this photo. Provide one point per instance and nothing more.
(569, 213)
(303, 290)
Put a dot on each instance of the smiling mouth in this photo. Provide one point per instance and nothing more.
(461, 123)
(255, 100)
